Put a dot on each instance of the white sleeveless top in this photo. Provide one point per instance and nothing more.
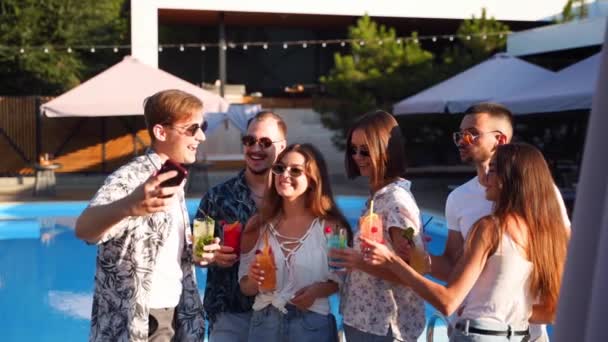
(304, 265)
(502, 292)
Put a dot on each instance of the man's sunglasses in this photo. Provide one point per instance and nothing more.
(263, 142)
(354, 151)
(279, 169)
(190, 130)
(468, 137)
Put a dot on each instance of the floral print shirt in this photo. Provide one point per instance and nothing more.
(126, 258)
(371, 304)
(230, 201)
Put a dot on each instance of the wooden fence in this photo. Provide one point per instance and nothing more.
(87, 145)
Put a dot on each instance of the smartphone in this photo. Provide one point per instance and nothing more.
(170, 165)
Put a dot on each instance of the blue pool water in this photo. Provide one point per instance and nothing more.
(46, 274)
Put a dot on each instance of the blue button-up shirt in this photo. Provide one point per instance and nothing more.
(230, 201)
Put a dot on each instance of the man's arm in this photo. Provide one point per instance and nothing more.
(442, 265)
(146, 199)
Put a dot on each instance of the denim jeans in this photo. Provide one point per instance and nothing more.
(270, 325)
(460, 336)
(356, 335)
(230, 327)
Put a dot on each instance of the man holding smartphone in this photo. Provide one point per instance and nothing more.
(237, 199)
(145, 286)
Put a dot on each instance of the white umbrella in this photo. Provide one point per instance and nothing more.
(495, 77)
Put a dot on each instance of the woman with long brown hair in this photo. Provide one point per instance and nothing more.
(512, 266)
(373, 306)
(296, 213)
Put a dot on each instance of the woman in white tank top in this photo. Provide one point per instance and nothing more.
(291, 224)
(511, 269)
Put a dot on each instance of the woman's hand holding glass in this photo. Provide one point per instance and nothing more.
(256, 274)
(377, 254)
(347, 258)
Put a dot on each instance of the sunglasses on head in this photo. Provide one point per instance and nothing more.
(190, 130)
(279, 169)
(362, 152)
(263, 142)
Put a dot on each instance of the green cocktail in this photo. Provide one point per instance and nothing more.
(203, 232)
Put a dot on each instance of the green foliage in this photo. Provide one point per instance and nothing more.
(479, 38)
(568, 13)
(34, 24)
(384, 70)
(379, 70)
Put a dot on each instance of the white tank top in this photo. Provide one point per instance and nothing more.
(502, 292)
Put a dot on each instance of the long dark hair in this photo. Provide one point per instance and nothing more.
(319, 196)
(527, 192)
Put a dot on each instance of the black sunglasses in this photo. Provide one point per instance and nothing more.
(279, 169)
(191, 130)
(263, 142)
(354, 151)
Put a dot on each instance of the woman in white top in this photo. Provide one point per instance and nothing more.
(374, 307)
(511, 269)
(292, 220)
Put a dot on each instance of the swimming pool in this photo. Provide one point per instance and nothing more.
(46, 274)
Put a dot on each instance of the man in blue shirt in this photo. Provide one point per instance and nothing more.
(237, 199)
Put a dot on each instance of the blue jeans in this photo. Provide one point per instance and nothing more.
(356, 335)
(461, 336)
(230, 327)
(270, 325)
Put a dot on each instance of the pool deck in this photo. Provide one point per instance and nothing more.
(430, 192)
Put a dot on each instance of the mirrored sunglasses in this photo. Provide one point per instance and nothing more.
(279, 169)
(263, 142)
(469, 138)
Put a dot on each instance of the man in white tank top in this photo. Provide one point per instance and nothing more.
(483, 128)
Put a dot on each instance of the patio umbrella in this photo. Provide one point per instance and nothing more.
(495, 77)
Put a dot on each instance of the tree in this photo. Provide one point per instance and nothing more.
(479, 38)
(568, 12)
(379, 70)
(34, 25)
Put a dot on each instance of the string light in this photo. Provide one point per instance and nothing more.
(264, 44)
